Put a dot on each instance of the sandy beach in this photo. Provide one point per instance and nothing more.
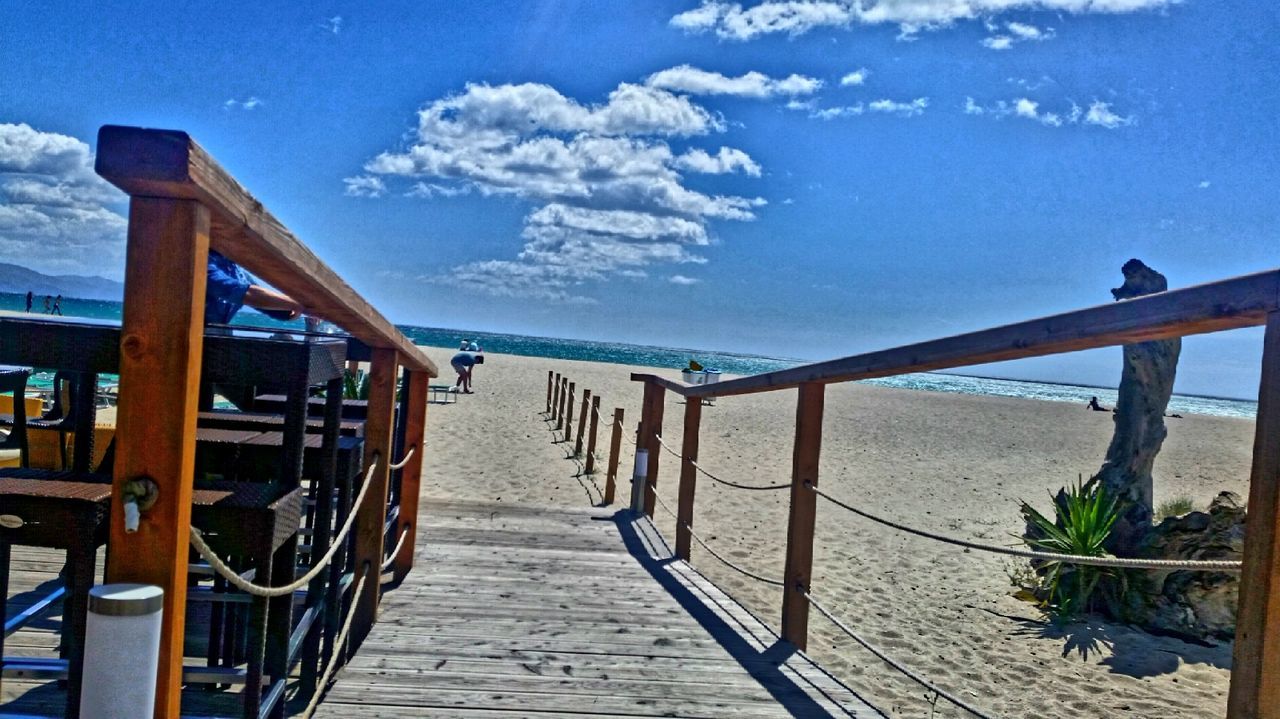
(952, 463)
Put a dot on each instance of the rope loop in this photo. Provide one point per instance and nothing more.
(712, 477)
(340, 641)
(407, 456)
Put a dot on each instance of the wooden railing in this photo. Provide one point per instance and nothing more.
(182, 204)
(1247, 301)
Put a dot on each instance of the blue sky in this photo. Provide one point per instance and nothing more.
(803, 179)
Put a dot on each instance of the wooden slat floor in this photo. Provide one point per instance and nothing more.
(517, 611)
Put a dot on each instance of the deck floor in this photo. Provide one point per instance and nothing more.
(517, 611)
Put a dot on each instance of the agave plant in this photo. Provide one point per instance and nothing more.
(355, 385)
(1084, 516)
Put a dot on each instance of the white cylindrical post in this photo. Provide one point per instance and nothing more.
(638, 477)
(121, 651)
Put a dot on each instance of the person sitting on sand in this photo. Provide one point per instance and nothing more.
(463, 363)
(1093, 405)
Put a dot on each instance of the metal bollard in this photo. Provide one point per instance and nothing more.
(121, 651)
(638, 478)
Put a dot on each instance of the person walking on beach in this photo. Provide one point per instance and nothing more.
(57, 305)
(463, 363)
(30, 298)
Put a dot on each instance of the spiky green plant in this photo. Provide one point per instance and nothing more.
(1084, 516)
(355, 385)
(1175, 507)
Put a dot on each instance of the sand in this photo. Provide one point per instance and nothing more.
(953, 463)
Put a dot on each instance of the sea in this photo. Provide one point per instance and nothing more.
(676, 358)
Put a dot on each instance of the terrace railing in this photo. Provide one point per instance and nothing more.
(182, 204)
(1247, 301)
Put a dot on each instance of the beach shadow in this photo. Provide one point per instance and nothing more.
(51, 618)
(764, 666)
(1127, 650)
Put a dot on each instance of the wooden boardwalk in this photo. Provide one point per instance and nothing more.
(516, 611)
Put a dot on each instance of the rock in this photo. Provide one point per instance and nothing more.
(1146, 383)
(1193, 604)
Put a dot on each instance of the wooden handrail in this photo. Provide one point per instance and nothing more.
(169, 164)
(1212, 307)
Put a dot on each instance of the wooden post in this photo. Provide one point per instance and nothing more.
(804, 505)
(615, 449)
(568, 423)
(1255, 673)
(411, 475)
(688, 476)
(655, 403)
(371, 516)
(550, 374)
(161, 340)
(590, 467)
(564, 393)
(556, 399)
(582, 422)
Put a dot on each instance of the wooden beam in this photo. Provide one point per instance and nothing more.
(162, 336)
(550, 374)
(169, 164)
(582, 422)
(555, 401)
(372, 514)
(564, 395)
(615, 450)
(568, 424)
(411, 475)
(1213, 307)
(688, 477)
(1255, 673)
(800, 523)
(656, 401)
(590, 467)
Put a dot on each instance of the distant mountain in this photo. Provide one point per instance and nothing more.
(15, 278)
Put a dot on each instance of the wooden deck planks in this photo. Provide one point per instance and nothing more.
(558, 612)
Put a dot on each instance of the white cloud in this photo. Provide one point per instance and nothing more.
(904, 109)
(683, 280)
(1099, 113)
(1016, 32)
(332, 24)
(1204, 184)
(247, 104)
(607, 188)
(364, 186)
(997, 42)
(831, 113)
(731, 20)
(727, 160)
(56, 214)
(857, 77)
(694, 81)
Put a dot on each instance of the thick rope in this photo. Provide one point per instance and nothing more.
(1117, 562)
(727, 483)
(714, 553)
(337, 652)
(407, 456)
(391, 558)
(257, 590)
(891, 662)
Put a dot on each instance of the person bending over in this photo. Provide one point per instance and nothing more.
(230, 288)
(463, 363)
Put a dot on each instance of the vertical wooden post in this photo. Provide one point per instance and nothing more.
(411, 475)
(568, 423)
(582, 422)
(615, 449)
(371, 516)
(161, 340)
(655, 403)
(555, 401)
(564, 393)
(590, 467)
(688, 475)
(804, 505)
(1255, 673)
(549, 390)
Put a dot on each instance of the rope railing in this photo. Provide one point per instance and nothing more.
(405, 460)
(739, 569)
(714, 478)
(1114, 562)
(891, 661)
(395, 552)
(338, 645)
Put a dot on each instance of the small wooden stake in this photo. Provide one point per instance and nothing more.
(615, 449)
(591, 440)
(568, 423)
(555, 400)
(564, 394)
(804, 505)
(688, 476)
(550, 389)
(1255, 673)
(582, 422)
